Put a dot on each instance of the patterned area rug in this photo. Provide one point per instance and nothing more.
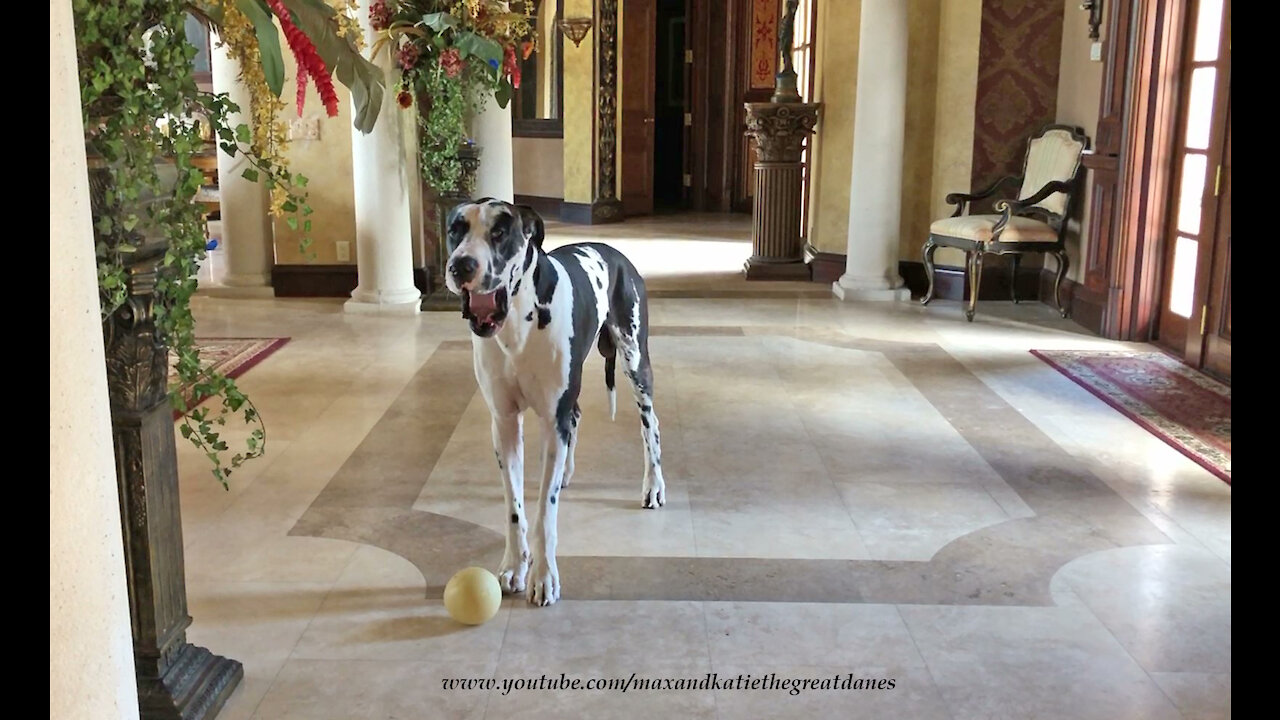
(231, 356)
(1188, 410)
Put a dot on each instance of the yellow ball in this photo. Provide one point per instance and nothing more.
(472, 596)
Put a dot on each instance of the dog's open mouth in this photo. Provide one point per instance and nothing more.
(485, 311)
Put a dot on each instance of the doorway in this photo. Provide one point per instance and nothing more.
(670, 194)
(1195, 309)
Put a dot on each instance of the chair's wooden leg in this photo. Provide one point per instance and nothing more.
(1013, 281)
(975, 275)
(1063, 263)
(930, 247)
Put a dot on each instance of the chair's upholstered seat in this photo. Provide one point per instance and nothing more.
(978, 228)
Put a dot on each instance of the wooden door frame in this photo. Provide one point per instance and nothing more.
(1137, 120)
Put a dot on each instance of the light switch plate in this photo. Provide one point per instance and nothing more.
(343, 249)
(1095, 52)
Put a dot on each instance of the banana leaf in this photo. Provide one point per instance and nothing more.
(264, 27)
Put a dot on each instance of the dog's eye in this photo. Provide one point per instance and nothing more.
(496, 233)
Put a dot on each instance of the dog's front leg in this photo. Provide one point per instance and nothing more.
(508, 446)
(544, 579)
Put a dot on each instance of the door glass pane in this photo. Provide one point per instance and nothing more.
(1182, 294)
(1208, 30)
(1200, 107)
(1192, 193)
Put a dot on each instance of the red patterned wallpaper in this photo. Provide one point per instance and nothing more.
(764, 43)
(1017, 82)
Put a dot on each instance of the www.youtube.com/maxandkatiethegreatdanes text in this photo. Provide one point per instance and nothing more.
(711, 681)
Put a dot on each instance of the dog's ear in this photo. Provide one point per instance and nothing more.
(532, 223)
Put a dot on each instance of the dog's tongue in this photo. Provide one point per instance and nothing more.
(483, 306)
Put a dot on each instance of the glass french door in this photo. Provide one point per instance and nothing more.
(1194, 250)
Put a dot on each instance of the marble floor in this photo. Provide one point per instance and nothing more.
(868, 491)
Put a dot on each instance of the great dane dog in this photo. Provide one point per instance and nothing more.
(534, 318)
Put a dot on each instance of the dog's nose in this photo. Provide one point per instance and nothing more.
(463, 268)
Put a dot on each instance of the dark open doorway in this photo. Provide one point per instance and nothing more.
(669, 194)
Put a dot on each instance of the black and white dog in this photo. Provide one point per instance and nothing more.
(534, 318)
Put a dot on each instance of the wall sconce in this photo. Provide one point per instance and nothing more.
(575, 28)
(1095, 16)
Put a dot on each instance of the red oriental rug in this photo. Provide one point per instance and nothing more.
(230, 356)
(1179, 405)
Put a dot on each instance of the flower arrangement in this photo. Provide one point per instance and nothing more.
(145, 119)
(453, 54)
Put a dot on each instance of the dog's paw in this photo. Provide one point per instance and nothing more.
(511, 577)
(544, 585)
(655, 496)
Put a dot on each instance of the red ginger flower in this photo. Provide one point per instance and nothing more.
(309, 63)
(511, 65)
(408, 56)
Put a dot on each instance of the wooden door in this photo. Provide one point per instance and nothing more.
(639, 50)
(1216, 357)
(1192, 240)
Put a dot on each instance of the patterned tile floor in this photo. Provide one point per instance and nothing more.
(880, 490)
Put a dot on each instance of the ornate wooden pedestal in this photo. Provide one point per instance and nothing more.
(435, 210)
(175, 678)
(780, 130)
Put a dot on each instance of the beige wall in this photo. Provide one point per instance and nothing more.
(91, 673)
(835, 86)
(579, 109)
(959, 34)
(1079, 96)
(326, 163)
(932, 57)
(538, 164)
(917, 161)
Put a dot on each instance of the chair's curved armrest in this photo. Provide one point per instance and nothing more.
(1007, 208)
(962, 199)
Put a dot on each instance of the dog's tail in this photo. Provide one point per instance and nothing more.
(610, 353)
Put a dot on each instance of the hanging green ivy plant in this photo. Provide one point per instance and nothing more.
(143, 116)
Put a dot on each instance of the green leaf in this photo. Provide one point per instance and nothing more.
(292, 222)
(469, 43)
(503, 93)
(250, 174)
(242, 134)
(300, 180)
(440, 21)
(268, 43)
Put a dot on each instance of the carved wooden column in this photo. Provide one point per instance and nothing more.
(175, 678)
(435, 211)
(780, 131)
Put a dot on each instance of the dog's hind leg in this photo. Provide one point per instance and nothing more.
(573, 444)
(508, 446)
(640, 373)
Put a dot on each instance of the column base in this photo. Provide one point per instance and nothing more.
(760, 269)
(383, 302)
(195, 686)
(874, 289)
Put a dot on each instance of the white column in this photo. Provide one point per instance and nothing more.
(381, 175)
(90, 640)
(247, 244)
(875, 188)
(492, 130)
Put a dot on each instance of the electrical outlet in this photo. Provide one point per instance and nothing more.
(343, 248)
(1095, 52)
(304, 128)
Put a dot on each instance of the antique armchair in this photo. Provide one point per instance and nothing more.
(1034, 222)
